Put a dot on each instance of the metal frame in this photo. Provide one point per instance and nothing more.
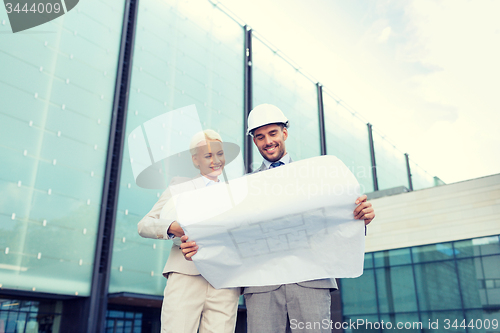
(247, 96)
(376, 285)
(104, 246)
(455, 261)
(321, 112)
(408, 172)
(372, 155)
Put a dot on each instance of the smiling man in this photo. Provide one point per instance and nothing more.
(273, 308)
(280, 308)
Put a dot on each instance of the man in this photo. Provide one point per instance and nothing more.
(190, 303)
(272, 308)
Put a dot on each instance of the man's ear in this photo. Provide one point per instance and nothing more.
(253, 138)
(285, 133)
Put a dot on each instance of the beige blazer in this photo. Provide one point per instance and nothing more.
(152, 226)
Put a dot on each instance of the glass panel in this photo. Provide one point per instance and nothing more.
(368, 260)
(55, 126)
(197, 59)
(347, 138)
(491, 267)
(23, 316)
(396, 289)
(470, 272)
(466, 248)
(392, 257)
(25, 306)
(110, 325)
(437, 286)
(358, 295)
(419, 177)
(115, 314)
(119, 326)
(277, 82)
(391, 164)
(477, 246)
(487, 245)
(432, 252)
(127, 327)
(21, 321)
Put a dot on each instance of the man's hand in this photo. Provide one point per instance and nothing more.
(188, 248)
(175, 229)
(364, 210)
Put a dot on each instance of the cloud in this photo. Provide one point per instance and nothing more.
(424, 72)
(384, 36)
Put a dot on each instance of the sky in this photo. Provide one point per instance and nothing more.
(425, 73)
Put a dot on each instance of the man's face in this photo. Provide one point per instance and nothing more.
(270, 140)
(209, 158)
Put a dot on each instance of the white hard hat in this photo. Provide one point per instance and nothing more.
(265, 114)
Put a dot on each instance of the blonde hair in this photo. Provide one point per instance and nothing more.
(205, 135)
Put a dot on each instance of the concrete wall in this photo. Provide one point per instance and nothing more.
(456, 211)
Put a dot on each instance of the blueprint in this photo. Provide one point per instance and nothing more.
(289, 224)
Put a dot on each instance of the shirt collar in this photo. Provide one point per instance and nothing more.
(208, 181)
(285, 159)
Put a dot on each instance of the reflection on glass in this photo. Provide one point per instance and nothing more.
(368, 260)
(347, 139)
(360, 294)
(396, 290)
(392, 257)
(57, 93)
(471, 275)
(436, 286)
(443, 251)
(419, 177)
(277, 82)
(391, 164)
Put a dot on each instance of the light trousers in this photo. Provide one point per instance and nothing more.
(191, 303)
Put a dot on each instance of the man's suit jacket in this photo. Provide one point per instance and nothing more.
(320, 284)
(152, 226)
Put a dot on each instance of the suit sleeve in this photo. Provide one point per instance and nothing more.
(151, 225)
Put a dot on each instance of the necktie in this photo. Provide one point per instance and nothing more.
(276, 164)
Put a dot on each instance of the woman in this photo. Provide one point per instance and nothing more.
(190, 303)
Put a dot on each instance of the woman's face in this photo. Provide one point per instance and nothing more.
(209, 158)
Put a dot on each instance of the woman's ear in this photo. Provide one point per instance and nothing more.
(195, 161)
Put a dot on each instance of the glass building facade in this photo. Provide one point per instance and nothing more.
(60, 88)
(447, 286)
(56, 92)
